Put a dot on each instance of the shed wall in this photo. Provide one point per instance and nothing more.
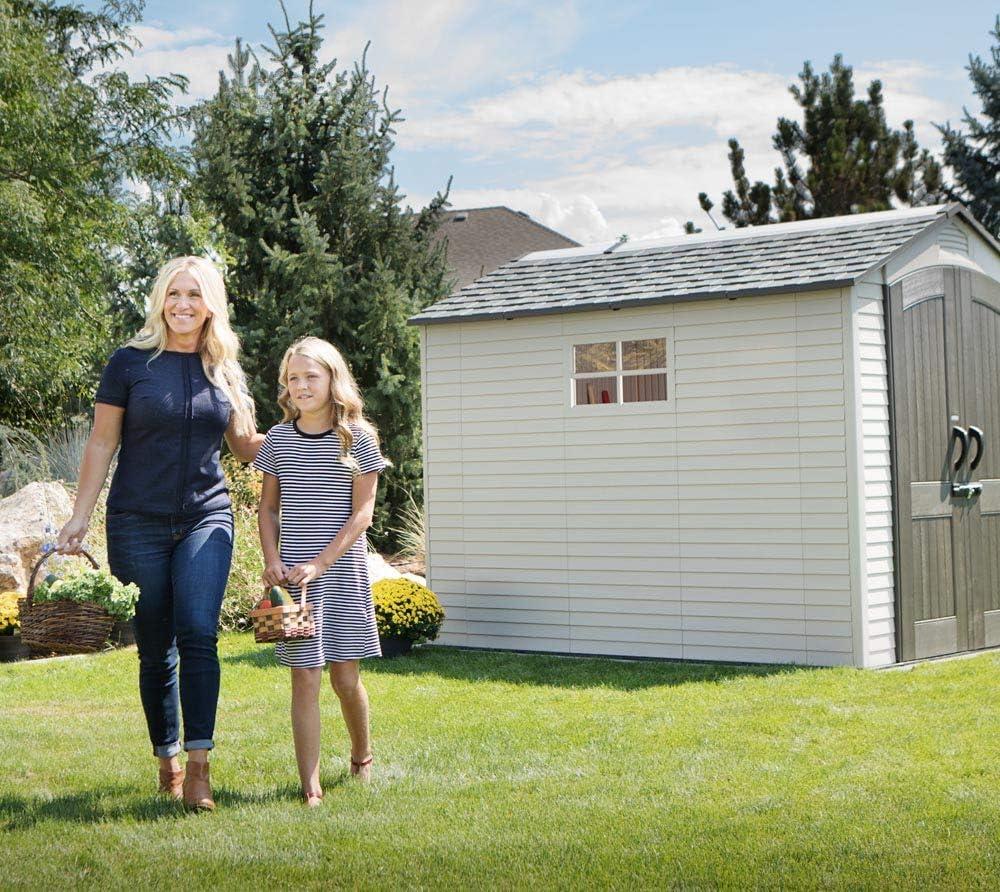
(878, 596)
(714, 528)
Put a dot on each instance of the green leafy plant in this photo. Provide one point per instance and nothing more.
(244, 483)
(10, 612)
(94, 586)
(406, 609)
(244, 588)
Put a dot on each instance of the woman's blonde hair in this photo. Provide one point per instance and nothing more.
(348, 406)
(218, 346)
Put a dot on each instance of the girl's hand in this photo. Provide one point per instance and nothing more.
(275, 573)
(307, 571)
(71, 535)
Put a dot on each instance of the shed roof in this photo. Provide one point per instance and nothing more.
(831, 252)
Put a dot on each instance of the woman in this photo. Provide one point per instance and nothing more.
(168, 397)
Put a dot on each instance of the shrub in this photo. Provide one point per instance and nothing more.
(245, 586)
(244, 483)
(10, 619)
(412, 533)
(406, 609)
(26, 458)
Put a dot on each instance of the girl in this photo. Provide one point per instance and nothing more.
(321, 467)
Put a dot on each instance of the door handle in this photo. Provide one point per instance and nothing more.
(958, 433)
(976, 434)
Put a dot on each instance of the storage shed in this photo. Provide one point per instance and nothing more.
(766, 445)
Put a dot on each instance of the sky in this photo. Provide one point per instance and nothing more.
(596, 118)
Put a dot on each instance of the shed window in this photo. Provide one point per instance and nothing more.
(638, 372)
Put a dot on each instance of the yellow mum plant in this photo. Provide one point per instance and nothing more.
(406, 609)
(10, 613)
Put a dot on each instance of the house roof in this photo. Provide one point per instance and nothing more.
(831, 252)
(481, 239)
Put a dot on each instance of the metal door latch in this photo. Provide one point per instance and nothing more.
(966, 490)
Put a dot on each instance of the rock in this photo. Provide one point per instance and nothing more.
(28, 518)
(378, 568)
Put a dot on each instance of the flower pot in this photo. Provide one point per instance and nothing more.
(12, 648)
(122, 633)
(395, 646)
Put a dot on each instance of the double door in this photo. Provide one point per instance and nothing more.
(944, 326)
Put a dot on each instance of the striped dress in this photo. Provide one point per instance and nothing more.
(316, 501)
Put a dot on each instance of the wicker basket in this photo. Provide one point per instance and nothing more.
(284, 622)
(64, 627)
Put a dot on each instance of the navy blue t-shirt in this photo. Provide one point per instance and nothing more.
(172, 432)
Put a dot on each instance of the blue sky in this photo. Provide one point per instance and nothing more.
(597, 118)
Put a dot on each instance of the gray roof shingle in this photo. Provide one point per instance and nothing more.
(833, 252)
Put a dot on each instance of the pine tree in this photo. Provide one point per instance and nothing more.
(292, 159)
(842, 158)
(974, 158)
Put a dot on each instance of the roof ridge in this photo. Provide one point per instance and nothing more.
(751, 233)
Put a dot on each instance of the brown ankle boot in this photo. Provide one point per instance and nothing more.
(171, 782)
(197, 789)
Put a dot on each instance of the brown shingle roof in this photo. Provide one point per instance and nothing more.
(482, 239)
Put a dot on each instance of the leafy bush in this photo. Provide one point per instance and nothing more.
(245, 586)
(406, 609)
(244, 483)
(10, 618)
(94, 586)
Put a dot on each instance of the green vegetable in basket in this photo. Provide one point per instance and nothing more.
(279, 597)
(94, 586)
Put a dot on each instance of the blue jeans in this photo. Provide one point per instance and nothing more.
(181, 565)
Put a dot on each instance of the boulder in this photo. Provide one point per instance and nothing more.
(28, 518)
(379, 568)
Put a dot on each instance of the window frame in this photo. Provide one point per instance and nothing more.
(618, 336)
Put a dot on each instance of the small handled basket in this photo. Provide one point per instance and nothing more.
(65, 627)
(284, 622)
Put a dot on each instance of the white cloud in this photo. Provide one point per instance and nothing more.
(197, 53)
(431, 51)
(584, 110)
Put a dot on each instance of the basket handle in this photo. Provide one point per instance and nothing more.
(38, 566)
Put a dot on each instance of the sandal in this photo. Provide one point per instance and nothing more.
(357, 765)
(313, 800)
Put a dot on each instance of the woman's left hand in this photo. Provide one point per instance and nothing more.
(307, 571)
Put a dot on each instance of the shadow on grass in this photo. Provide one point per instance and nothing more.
(122, 802)
(545, 669)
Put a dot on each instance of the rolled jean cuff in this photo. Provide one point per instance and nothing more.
(198, 745)
(166, 750)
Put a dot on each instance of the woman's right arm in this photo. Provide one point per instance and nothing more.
(267, 526)
(100, 449)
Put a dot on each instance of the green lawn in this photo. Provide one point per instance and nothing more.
(512, 771)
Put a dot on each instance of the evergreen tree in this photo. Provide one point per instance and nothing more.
(292, 160)
(842, 158)
(71, 134)
(975, 157)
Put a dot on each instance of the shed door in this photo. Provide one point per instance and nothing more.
(945, 339)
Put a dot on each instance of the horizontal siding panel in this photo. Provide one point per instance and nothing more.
(730, 652)
(626, 648)
(582, 532)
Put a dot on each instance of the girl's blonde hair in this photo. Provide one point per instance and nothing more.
(218, 346)
(348, 406)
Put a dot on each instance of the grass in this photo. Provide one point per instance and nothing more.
(514, 771)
